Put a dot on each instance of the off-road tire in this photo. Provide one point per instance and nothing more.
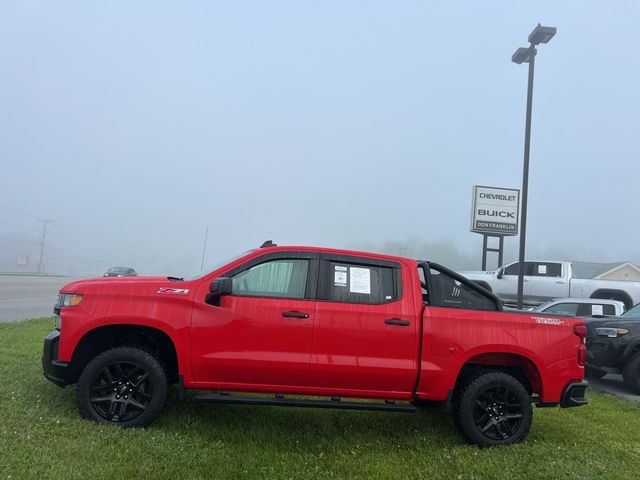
(493, 408)
(124, 386)
(631, 373)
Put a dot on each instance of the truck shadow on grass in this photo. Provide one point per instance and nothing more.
(288, 426)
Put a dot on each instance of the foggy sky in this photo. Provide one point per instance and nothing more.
(135, 125)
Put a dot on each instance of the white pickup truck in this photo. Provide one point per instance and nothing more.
(545, 280)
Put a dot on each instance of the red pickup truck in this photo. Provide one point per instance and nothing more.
(318, 322)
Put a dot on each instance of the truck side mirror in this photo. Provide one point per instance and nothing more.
(500, 273)
(218, 288)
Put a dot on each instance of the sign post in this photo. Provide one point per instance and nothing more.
(494, 213)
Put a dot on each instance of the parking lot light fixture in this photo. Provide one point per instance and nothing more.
(522, 55)
(539, 35)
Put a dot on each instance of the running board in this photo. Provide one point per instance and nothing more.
(281, 401)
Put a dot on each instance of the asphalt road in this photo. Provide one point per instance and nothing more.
(23, 297)
(613, 384)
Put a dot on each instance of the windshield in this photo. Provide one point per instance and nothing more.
(633, 312)
(216, 265)
(541, 308)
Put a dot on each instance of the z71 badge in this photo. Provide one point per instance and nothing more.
(173, 291)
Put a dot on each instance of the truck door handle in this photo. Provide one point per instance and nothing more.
(397, 321)
(560, 282)
(295, 315)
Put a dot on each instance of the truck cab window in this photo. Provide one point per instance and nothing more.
(546, 269)
(360, 283)
(514, 268)
(277, 278)
(448, 292)
(588, 309)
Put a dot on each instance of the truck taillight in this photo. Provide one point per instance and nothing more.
(581, 332)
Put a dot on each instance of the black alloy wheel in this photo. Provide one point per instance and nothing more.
(121, 391)
(123, 386)
(493, 408)
(497, 412)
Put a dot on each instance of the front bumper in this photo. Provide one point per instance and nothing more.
(574, 395)
(52, 369)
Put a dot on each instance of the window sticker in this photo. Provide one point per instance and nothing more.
(596, 310)
(360, 280)
(339, 278)
(340, 268)
(542, 269)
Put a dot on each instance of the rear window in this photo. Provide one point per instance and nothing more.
(589, 309)
(360, 283)
(544, 269)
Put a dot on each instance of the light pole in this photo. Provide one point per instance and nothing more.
(539, 35)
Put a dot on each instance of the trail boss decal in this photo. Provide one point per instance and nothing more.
(548, 321)
(173, 291)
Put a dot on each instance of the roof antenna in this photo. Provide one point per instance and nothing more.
(268, 243)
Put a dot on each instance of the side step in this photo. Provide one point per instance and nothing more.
(281, 401)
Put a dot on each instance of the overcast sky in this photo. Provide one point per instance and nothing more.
(134, 125)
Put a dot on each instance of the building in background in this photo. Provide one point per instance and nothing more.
(607, 271)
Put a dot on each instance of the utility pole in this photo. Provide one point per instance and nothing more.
(44, 235)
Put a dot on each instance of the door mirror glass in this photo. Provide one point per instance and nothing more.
(221, 286)
(218, 288)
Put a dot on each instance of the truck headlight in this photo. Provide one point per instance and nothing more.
(69, 299)
(611, 332)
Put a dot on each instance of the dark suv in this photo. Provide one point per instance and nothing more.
(613, 346)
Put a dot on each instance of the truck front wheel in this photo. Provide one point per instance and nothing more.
(631, 373)
(493, 408)
(124, 386)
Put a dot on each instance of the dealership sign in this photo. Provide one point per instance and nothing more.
(494, 211)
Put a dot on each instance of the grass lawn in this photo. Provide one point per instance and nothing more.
(42, 436)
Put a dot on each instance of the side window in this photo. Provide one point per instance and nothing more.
(565, 309)
(448, 292)
(354, 283)
(544, 269)
(277, 278)
(588, 309)
(514, 268)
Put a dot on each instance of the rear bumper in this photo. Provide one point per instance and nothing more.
(574, 395)
(52, 369)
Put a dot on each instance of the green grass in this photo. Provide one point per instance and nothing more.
(42, 436)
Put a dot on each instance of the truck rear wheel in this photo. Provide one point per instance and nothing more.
(123, 386)
(631, 373)
(493, 408)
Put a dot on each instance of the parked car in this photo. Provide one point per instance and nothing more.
(613, 346)
(120, 272)
(581, 307)
(317, 322)
(545, 280)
